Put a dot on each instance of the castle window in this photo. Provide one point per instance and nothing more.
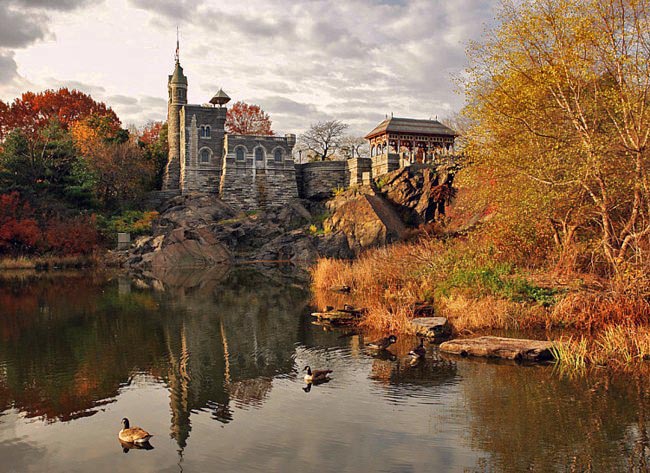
(239, 154)
(205, 155)
(277, 155)
(205, 131)
(259, 154)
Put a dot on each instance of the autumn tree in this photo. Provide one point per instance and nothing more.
(324, 138)
(152, 138)
(245, 119)
(559, 97)
(34, 111)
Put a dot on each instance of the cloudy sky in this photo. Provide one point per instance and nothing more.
(301, 60)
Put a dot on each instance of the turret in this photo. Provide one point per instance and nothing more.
(177, 87)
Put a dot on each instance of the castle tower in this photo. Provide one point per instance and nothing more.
(177, 88)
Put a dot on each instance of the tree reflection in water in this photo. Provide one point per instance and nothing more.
(213, 337)
(226, 340)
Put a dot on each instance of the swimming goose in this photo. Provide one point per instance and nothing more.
(134, 435)
(315, 376)
(382, 343)
(419, 352)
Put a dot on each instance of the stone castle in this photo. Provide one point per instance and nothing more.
(251, 172)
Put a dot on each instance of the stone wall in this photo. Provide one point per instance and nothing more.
(250, 181)
(320, 178)
(201, 152)
(385, 163)
(360, 171)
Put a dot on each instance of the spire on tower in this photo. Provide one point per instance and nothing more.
(177, 56)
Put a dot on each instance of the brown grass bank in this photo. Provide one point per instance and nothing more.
(479, 293)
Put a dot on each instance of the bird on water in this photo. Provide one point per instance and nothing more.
(316, 375)
(130, 434)
(382, 343)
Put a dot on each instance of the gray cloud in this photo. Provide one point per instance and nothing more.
(170, 9)
(90, 89)
(62, 5)
(8, 68)
(122, 100)
(26, 21)
(20, 28)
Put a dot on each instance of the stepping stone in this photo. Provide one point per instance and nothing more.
(500, 347)
(431, 327)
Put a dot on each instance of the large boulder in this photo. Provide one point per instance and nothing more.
(367, 221)
(418, 193)
(181, 248)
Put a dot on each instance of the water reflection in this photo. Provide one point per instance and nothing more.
(210, 361)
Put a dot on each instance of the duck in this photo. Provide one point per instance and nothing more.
(134, 435)
(316, 375)
(419, 352)
(382, 343)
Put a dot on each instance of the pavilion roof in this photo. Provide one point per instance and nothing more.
(411, 126)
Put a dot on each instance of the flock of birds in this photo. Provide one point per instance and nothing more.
(135, 437)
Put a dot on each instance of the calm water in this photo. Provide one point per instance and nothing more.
(209, 362)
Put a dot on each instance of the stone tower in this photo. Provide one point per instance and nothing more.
(177, 88)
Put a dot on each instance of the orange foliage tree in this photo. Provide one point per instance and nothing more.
(33, 111)
(245, 119)
(18, 229)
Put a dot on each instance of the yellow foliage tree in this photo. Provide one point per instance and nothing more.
(558, 95)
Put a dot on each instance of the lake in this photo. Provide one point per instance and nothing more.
(210, 362)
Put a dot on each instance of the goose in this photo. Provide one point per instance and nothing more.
(419, 352)
(134, 435)
(382, 343)
(315, 376)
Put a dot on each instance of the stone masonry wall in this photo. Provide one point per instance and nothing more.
(385, 163)
(250, 183)
(198, 174)
(357, 168)
(319, 179)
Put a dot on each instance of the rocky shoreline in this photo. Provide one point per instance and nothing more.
(200, 230)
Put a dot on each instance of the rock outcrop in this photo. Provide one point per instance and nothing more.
(195, 230)
(418, 193)
(366, 221)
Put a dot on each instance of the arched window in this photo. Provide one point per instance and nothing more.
(205, 131)
(240, 154)
(372, 151)
(277, 155)
(259, 154)
(205, 155)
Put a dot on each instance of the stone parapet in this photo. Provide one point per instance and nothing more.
(385, 163)
(320, 178)
(357, 168)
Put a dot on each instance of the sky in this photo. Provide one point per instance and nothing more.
(302, 61)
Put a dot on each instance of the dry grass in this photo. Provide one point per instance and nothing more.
(621, 347)
(599, 310)
(49, 262)
(609, 326)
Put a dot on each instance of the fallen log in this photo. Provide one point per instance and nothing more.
(500, 347)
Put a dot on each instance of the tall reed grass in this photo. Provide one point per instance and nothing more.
(479, 292)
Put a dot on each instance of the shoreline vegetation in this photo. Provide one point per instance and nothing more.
(591, 322)
(52, 262)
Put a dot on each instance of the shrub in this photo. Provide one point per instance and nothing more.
(76, 236)
(134, 222)
(19, 231)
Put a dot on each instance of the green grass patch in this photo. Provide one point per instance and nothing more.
(499, 280)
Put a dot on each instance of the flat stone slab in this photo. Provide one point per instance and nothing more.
(499, 347)
(336, 316)
(432, 327)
